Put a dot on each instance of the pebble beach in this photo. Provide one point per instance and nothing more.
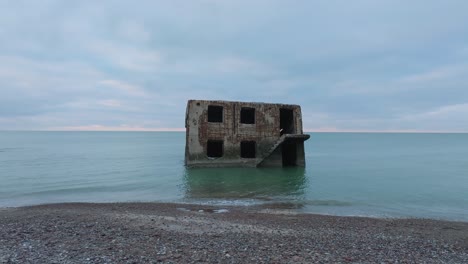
(182, 233)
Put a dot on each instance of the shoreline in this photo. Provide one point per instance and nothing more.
(190, 233)
(269, 208)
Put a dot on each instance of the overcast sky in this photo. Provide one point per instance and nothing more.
(132, 65)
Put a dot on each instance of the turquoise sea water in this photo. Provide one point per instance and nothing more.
(382, 175)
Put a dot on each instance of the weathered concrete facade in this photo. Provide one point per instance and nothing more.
(241, 134)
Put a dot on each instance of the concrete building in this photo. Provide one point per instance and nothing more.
(241, 134)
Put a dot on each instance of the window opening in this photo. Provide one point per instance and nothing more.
(248, 149)
(215, 114)
(214, 148)
(247, 115)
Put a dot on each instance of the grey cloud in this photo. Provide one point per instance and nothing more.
(359, 65)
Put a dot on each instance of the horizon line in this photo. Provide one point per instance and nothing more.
(183, 130)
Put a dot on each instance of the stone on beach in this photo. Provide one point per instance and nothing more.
(152, 232)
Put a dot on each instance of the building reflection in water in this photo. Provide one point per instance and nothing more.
(245, 183)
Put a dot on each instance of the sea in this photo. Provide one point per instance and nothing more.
(389, 175)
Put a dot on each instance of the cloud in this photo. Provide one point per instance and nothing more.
(125, 87)
(105, 105)
(449, 118)
(110, 103)
(114, 128)
(443, 73)
(124, 56)
(457, 112)
(134, 32)
(361, 66)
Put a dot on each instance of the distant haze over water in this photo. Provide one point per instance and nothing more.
(366, 174)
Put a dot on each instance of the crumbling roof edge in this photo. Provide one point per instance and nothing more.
(241, 102)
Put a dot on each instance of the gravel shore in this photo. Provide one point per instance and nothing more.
(181, 233)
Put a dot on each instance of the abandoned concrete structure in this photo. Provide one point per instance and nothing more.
(240, 134)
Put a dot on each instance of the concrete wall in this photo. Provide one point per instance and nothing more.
(300, 161)
(274, 160)
(265, 132)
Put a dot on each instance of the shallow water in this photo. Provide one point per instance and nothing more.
(381, 175)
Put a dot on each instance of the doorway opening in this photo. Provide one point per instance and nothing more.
(286, 121)
(289, 154)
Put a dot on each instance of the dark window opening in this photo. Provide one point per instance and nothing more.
(286, 121)
(248, 149)
(214, 148)
(215, 114)
(247, 115)
(289, 154)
